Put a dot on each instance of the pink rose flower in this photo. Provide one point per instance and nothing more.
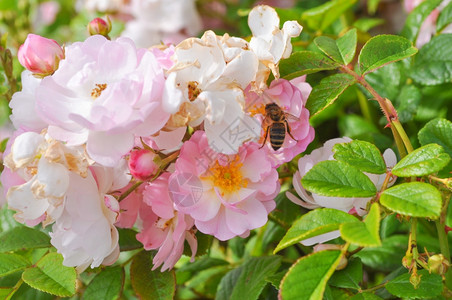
(164, 228)
(103, 95)
(227, 195)
(40, 55)
(291, 97)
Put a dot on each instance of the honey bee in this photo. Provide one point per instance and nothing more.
(276, 125)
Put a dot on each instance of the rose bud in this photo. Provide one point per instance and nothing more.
(100, 26)
(142, 164)
(40, 55)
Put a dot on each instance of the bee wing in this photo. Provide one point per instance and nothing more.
(290, 117)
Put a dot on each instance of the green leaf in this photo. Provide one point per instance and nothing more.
(206, 282)
(415, 199)
(388, 256)
(347, 45)
(433, 64)
(23, 238)
(327, 91)
(365, 296)
(106, 285)
(307, 278)
(12, 262)
(314, 223)
(285, 212)
(364, 234)
(407, 102)
(248, 280)
(372, 6)
(430, 286)
(49, 275)
(438, 131)
(426, 160)
(338, 179)
(320, 17)
(382, 50)
(365, 24)
(416, 18)
(341, 50)
(8, 5)
(362, 155)
(444, 18)
(305, 62)
(128, 240)
(148, 284)
(350, 277)
(187, 271)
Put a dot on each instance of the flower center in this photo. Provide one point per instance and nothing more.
(98, 90)
(257, 109)
(193, 90)
(228, 178)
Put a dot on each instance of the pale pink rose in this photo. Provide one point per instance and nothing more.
(42, 168)
(104, 94)
(40, 55)
(47, 12)
(142, 165)
(23, 103)
(205, 86)
(155, 21)
(291, 100)
(163, 227)
(84, 233)
(164, 57)
(227, 195)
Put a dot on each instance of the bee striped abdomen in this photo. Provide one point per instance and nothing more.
(277, 134)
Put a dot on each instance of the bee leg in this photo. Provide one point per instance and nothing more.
(266, 135)
(288, 131)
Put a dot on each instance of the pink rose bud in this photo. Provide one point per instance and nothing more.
(40, 55)
(100, 26)
(142, 164)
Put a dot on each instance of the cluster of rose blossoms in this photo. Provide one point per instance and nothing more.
(166, 140)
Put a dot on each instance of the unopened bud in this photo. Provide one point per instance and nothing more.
(40, 55)
(142, 164)
(100, 26)
(438, 264)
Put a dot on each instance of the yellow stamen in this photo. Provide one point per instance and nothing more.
(228, 178)
(98, 90)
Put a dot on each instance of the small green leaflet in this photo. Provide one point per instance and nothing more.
(341, 50)
(414, 199)
(338, 179)
(305, 62)
(364, 234)
(382, 50)
(362, 155)
(426, 160)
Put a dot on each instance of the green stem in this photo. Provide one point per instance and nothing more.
(444, 246)
(364, 106)
(399, 143)
(130, 190)
(389, 111)
(403, 135)
(14, 290)
(374, 288)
